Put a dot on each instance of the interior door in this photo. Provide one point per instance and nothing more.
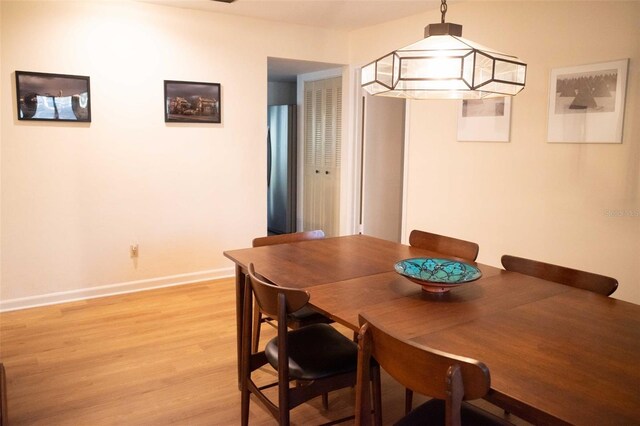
(382, 166)
(322, 146)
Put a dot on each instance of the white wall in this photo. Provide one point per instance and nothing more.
(75, 196)
(529, 197)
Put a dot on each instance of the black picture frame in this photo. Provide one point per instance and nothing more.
(192, 102)
(53, 97)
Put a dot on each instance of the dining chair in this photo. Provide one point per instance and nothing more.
(304, 316)
(448, 379)
(446, 245)
(288, 238)
(317, 357)
(572, 277)
(442, 244)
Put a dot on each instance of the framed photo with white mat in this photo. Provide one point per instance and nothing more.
(586, 103)
(484, 120)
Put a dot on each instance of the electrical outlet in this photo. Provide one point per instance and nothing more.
(133, 250)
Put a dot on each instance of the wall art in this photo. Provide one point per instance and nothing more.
(53, 97)
(586, 103)
(484, 120)
(191, 102)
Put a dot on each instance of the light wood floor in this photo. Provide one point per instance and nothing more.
(157, 357)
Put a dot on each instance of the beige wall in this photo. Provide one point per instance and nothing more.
(75, 196)
(529, 197)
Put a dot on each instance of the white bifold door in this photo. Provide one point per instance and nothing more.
(322, 144)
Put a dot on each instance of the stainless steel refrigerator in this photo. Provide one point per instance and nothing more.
(281, 169)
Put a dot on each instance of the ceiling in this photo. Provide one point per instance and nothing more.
(334, 14)
(286, 70)
(343, 15)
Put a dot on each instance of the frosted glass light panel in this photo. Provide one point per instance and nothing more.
(444, 67)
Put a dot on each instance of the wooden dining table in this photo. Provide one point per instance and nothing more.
(557, 355)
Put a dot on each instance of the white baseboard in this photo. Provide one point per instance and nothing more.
(113, 289)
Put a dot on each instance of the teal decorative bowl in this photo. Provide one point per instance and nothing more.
(437, 275)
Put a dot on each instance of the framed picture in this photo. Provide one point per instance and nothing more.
(586, 103)
(484, 120)
(53, 97)
(191, 102)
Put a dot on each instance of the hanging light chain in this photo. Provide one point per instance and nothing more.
(443, 9)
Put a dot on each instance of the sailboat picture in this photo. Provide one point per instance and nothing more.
(586, 92)
(586, 103)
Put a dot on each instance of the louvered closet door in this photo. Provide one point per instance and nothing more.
(322, 143)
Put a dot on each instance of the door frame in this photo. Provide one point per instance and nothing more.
(357, 141)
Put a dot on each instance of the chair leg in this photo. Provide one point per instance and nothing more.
(245, 406)
(408, 401)
(377, 396)
(284, 413)
(325, 401)
(257, 322)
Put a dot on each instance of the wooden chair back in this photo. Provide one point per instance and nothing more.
(445, 245)
(572, 277)
(288, 238)
(293, 322)
(275, 303)
(422, 369)
(267, 295)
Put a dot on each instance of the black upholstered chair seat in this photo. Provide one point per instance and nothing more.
(315, 352)
(432, 413)
(306, 314)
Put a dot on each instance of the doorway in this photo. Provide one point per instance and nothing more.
(382, 166)
(286, 79)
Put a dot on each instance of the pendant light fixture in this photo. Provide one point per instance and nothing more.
(444, 66)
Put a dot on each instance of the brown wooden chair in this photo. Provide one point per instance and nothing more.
(449, 379)
(306, 315)
(317, 357)
(572, 277)
(445, 245)
(288, 238)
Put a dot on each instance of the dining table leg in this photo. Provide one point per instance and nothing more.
(240, 278)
